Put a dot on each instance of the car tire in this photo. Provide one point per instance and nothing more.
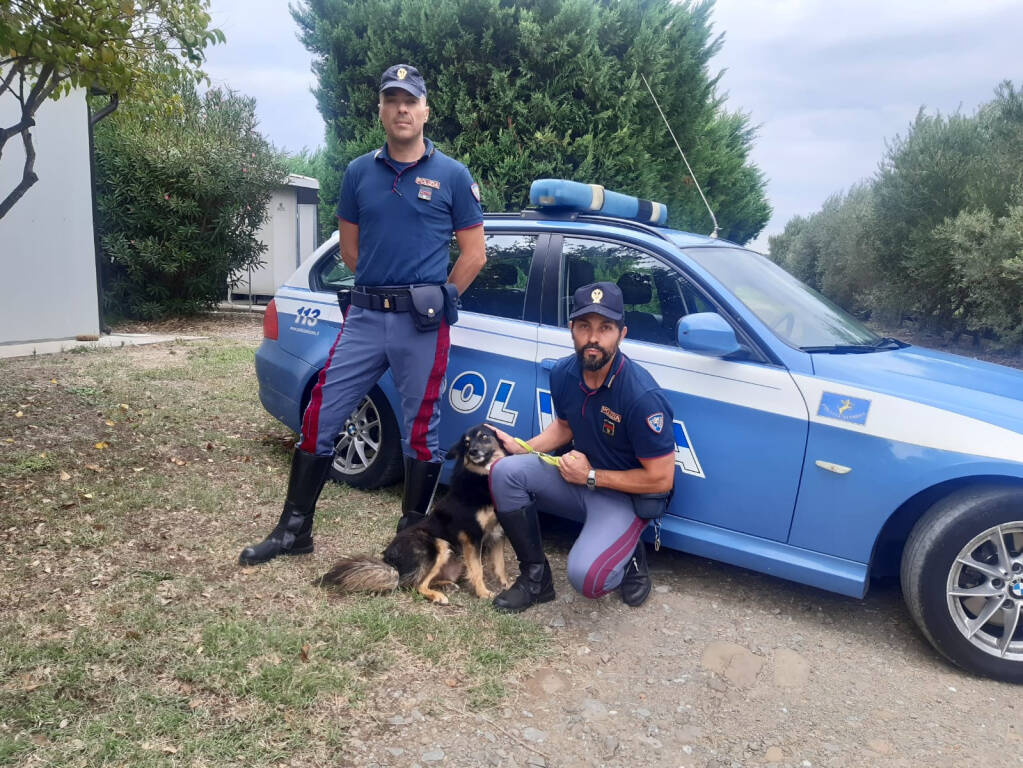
(367, 453)
(963, 589)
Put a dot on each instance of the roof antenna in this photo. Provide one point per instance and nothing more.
(692, 175)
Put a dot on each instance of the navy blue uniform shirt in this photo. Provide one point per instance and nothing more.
(406, 213)
(628, 418)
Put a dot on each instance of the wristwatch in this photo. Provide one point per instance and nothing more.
(591, 479)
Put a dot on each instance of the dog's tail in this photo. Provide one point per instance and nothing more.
(359, 574)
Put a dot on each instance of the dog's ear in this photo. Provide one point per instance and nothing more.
(458, 449)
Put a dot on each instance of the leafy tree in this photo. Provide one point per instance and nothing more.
(547, 88)
(49, 47)
(935, 234)
(183, 183)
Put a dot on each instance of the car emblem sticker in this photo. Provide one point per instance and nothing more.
(852, 410)
(656, 422)
(596, 295)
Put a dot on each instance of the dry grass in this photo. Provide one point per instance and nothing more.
(129, 481)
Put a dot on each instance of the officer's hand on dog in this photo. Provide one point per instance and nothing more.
(574, 467)
(507, 441)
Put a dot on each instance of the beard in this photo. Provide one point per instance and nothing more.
(597, 362)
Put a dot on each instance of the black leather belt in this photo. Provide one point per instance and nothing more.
(382, 299)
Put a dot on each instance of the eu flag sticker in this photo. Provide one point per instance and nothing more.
(844, 408)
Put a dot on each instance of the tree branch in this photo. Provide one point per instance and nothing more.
(28, 177)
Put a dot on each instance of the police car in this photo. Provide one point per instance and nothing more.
(806, 446)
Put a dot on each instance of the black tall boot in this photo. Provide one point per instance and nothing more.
(534, 584)
(636, 583)
(420, 485)
(293, 533)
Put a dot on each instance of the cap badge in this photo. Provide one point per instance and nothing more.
(402, 73)
(596, 295)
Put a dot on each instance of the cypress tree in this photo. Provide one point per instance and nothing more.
(547, 88)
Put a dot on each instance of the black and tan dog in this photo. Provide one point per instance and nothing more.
(450, 540)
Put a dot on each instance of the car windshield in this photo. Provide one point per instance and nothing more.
(799, 315)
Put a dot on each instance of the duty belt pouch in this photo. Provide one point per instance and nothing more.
(451, 303)
(650, 506)
(344, 299)
(427, 306)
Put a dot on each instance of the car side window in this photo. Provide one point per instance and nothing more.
(332, 272)
(500, 287)
(655, 294)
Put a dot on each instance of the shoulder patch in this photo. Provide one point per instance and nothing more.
(655, 421)
(475, 189)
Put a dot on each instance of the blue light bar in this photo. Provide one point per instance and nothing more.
(564, 195)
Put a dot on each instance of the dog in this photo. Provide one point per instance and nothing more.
(449, 541)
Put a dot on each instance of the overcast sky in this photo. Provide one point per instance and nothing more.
(827, 81)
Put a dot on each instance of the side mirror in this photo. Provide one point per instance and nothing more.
(707, 333)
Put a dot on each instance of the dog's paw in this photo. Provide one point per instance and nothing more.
(506, 582)
(440, 598)
(485, 594)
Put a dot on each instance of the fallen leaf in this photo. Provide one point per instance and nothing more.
(94, 467)
(429, 638)
(123, 406)
(87, 496)
(194, 703)
(53, 381)
(102, 445)
(169, 750)
(131, 634)
(64, 476)
(18, 415)
(69, 504)
(110, 423)
(304, 655)
(138, 469)
(30, 688)
(451, 683)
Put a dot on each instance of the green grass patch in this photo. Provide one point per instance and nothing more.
(134, 639)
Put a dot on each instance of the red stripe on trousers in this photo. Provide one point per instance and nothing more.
(421, 425)
(311, 418)
(605, 563)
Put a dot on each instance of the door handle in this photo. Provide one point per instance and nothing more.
(548, 363)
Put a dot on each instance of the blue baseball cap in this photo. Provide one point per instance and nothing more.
(603, 298)
(403, 76)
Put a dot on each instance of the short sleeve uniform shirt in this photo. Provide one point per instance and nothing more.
(406, 213)
(626, 419)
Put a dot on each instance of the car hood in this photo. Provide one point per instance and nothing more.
(984, 391)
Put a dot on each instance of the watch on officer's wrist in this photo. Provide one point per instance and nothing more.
(591, 479)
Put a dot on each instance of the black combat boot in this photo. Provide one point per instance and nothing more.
(293, 533)
(534, 584)
(420, 484)
(636, 583)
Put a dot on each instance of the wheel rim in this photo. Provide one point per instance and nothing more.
(985, 591)
(359, 443)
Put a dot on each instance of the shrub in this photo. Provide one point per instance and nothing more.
(183, 183)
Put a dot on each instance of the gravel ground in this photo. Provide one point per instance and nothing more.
(720, 668)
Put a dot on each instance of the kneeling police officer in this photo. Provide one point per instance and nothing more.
(619, 475)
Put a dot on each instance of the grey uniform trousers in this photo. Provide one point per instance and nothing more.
(597, 560)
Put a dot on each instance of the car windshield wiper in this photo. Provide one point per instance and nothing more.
(857, 349)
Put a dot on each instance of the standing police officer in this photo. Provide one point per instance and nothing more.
(621, 425)
(399, 206)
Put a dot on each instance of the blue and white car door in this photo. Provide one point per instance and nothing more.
(491, 373)
(740, 427)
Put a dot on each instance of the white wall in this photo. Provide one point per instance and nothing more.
(47, 252)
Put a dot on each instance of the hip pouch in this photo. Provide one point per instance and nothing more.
(427, 306)
(650, 506)
(451, 303)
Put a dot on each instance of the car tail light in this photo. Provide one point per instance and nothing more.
(270, 321)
